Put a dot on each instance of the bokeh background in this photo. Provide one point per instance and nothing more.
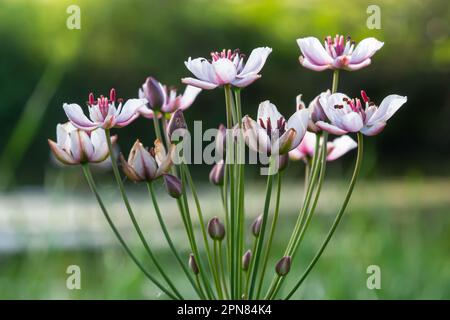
(398, 218)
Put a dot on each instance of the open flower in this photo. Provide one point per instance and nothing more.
(226, 67)
(335, 149)
(348, 115)
(271, 134)
(103, 112)
(162, 98)
(147, 165)
(337, 53)
(75, 146)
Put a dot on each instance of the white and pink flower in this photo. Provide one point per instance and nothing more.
(74, 146)
(164, 99)
(226, 67)
(271, 133)
(335, 149)
(351, 115)
(337, 53)
(103, 112)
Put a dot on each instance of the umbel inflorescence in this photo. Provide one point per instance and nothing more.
(222, 263)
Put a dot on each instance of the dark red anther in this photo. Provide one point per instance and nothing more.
(91, 99)
(112, 95)
(364, 96)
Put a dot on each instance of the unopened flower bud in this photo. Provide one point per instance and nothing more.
(217, 173)
(173, 186)
(283, 266)
(177, 127)
(256, 225)
(154, 93)
(216, 229)
(193, 264)
(246, 258)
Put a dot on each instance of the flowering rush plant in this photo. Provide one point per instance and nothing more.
(224, 264)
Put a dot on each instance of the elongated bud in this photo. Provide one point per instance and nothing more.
(216, 229)
(246, 258)
(154, 93)
(217, 172)
(173, 186)
(177, 126)
(193, 264)
(283, 266)
(256, 225)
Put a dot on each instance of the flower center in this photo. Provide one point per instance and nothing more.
(280, 128)
(103, 102)
(225, 54)
(338, 47)
(354, 104)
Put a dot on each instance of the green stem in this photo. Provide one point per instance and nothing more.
(157, 128)
(202, 223)
(271, 235)
(169, 239)
(93, 187)
(222, 272)
(191, 234)
(217, 267)
(133, 218)
(229, 171)
(260, 242)
(338, 216)
(247, 281)
(334, 86)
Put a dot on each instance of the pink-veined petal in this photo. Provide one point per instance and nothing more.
(77, 117)
(60, 154)
(387, 108)
(352, 122)
(314, 51)
(330, 128)
(374, 129)
(225, 71)
(365, 49)
(255, 61)
(188, 97)
(341, 146)
(308, 64)
(245, 81)
(129, 110)
(299, 122)
(199, 83)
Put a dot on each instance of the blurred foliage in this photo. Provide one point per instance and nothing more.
(121, 42)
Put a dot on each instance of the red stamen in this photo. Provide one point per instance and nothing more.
(91, 99)
(364, 96)
(112, 95)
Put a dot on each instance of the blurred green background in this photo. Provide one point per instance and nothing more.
(404, 228)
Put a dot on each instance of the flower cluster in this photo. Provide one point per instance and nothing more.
(303, 135)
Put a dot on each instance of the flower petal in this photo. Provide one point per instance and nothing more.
(225, 71)
(357, 66)
(387, 108)
(188, 97)
(352, 122)
(268, 111)
(129, 111)
(77, 117)
(199, 83)
(255, 61)
(245, 81)
(341, 146)
(330, 128)
(299, 122)
(60, 154)
(313, 50)
(373, 130)
(365, 49)
(308, 64)
(255, 137)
